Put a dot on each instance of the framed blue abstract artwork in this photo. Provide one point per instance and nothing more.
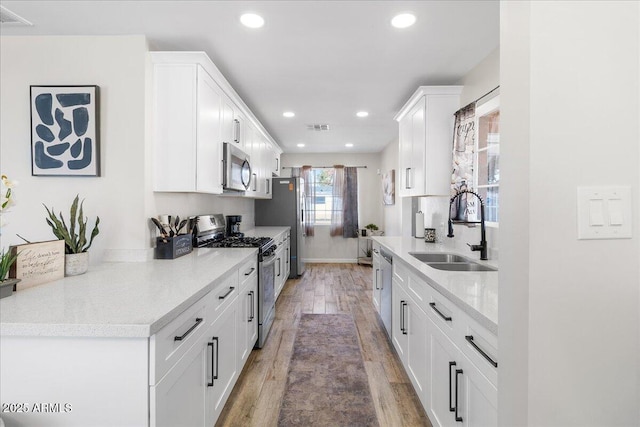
(64, 131)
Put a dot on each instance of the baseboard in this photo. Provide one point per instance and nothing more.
(330, 260)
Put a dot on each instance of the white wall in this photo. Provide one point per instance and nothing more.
(569, 97)
(122, 195)
(117, 66)
(322, 247)
(391, 214)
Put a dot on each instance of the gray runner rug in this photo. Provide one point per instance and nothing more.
(327, 384)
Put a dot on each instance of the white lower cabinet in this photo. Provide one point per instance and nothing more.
(449, 358)
(409, 336)
(195, 390)
(222, 341)
(183, 387)
(458, 392)
(377, 277)
(247, 311)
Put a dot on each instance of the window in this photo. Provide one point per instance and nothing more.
(487, 159)
(322, 181)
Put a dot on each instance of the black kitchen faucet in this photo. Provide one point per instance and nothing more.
(482, 247)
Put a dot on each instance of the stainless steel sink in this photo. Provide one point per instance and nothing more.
(438, 257)
(460, 266)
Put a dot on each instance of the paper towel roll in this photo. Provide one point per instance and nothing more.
(419, 225)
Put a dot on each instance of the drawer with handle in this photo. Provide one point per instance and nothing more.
(247, 272)
(171, 342)
(481, 347)
(223, 294)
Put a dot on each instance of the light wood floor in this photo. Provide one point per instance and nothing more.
(324, 288)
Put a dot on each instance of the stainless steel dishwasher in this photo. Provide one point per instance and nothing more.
(386, 267)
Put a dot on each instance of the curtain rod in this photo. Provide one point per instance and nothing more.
(318, 167)
(487, 94)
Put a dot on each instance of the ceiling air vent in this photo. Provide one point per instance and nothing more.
(9, 18)
(318, 128)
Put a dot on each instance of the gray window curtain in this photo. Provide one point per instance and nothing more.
(344, 215)
(350, 202)
(337, 212)
(309, 198)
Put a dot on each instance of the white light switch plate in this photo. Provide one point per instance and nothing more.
(604, 212)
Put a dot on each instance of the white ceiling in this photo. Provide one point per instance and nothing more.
(324, 60)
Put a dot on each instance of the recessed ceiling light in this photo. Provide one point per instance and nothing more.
(362, 114)
(300, 145)
(252, 20)
(289, 114)
(348, 145)
(403, 20)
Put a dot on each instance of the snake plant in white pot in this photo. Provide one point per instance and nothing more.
(76, 260)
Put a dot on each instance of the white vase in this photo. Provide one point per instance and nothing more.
(75, 264)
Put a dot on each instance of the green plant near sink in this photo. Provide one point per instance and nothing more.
(76, 245)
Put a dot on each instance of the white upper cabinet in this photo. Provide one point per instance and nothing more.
(186, 123)
(194, 112)
(426, 138)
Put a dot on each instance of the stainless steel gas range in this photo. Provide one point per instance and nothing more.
(209, 232)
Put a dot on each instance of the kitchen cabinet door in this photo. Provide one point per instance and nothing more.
(443, 361)
(287, 255)
(425, 135)
(227, 125)
(399, 335)
(222, 341)
(179, 398)
(187, 126)
(417, 349)
(247, 318)
(479, 405)
(377, 278)
(209, 168)
(281, 278)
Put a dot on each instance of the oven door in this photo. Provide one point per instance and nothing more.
(266, 297)
(237, 168)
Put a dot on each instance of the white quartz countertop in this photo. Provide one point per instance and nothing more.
(475, 292)
(272, 232)
(118, 299)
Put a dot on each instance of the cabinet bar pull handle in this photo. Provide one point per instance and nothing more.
(231, 288)
(404, 317)
(279, 266)
(255, 182)
(458, 419)
(250, 271)
(469, 338)
(215, 376)
(210, 384)
(451, 408)
(251, 304)
(253, 312)
(277, 164)
(433, 306)
(406, 176)
(377, 270)
(183, 336)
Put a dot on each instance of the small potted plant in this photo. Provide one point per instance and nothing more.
(6, 285)
(7, 258)
(76, 260)
(373, 230)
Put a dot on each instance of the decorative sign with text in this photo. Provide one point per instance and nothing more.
(38, 263)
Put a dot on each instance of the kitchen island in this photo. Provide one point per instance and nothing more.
(126, 343)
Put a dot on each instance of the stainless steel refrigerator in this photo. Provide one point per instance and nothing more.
(286, 208)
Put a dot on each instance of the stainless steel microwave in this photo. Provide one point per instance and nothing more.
(237, 168)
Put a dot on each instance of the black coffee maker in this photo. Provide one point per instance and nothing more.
(233, 226)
